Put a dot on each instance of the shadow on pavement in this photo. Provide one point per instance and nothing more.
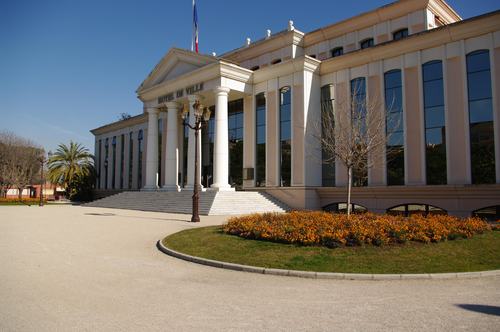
(484, 309)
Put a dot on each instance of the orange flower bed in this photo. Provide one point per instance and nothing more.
(335, 230)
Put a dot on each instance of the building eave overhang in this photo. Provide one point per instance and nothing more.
(364, 20)
(444, 11)
(173, 56)
(427, 39)
(277, 41)
(300, 64)
(135, 120)
(219, 69)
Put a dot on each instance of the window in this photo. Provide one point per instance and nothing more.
(276, 61)
(285, 136)
(130, 158)
(491, 213)
(106, 157)
(358, 122)
(394, 128)
(366, 43)
(160, 134)
(409, 209)
(260, 140)
(139, 159)
(235, 126)
(185, 144)
(113, 171)
(482, 146)
(342, 208)
(99, 165)
(313, 56)
(400, 34)
(327, 114)
(122, 159)
(435, 131)
(338, 51)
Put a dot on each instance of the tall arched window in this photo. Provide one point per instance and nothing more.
(395, 149)
(99, 165)
(260, 140)
(122, 159)
(285, 136)
(139, 159)
(106, 162)
(113, 170)
(327, 115)
(130, 158)
(358, 121)
(160, 139)
(482, 146)
(435, 131)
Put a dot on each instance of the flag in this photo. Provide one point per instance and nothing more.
(194, 43)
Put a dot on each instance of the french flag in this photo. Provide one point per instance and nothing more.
(194, 44)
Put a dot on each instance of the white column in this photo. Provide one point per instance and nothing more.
(221, 144)
(190, 159)
(152, 150)
(172, 150)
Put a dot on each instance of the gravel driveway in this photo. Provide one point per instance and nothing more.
(65, 268)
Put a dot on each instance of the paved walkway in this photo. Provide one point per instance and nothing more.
(89, 269)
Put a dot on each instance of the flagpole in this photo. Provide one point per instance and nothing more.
(192, 32)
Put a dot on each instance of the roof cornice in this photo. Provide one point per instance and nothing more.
(364, 20)
(138, 119)
(427, 39)
(282, 39)
(220, 68)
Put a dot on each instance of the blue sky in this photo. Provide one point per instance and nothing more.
(68, 66)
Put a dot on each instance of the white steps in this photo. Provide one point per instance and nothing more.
(211, 203)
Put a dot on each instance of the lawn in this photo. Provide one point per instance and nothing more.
(482, 252)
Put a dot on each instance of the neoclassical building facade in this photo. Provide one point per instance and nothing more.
(439, 73)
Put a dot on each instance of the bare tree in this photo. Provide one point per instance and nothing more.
(19, 163)
(353, 133)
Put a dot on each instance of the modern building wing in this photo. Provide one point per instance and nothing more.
(435, 77)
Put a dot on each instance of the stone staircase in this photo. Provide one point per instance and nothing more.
(211, 203)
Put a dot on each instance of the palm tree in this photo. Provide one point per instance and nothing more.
(69, 164)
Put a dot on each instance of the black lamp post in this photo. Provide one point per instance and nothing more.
(201, 116)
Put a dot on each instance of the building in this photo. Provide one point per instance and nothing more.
(441, 72)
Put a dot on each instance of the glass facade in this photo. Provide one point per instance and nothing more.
(285, 137)
(327, 114)
(130, 158)
(185, 144)
(435, 129)
(394, 127)
(99, 165)
(139, 159)
(260, 140)
(160, 140)
(207, 154)
(122, 159)
(106, 161)
(113, 170)
(358, 123)
(235, 135)
(482, 146)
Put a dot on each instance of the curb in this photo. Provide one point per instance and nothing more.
(324, 275)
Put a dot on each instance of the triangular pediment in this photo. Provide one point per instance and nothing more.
(175, 63)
